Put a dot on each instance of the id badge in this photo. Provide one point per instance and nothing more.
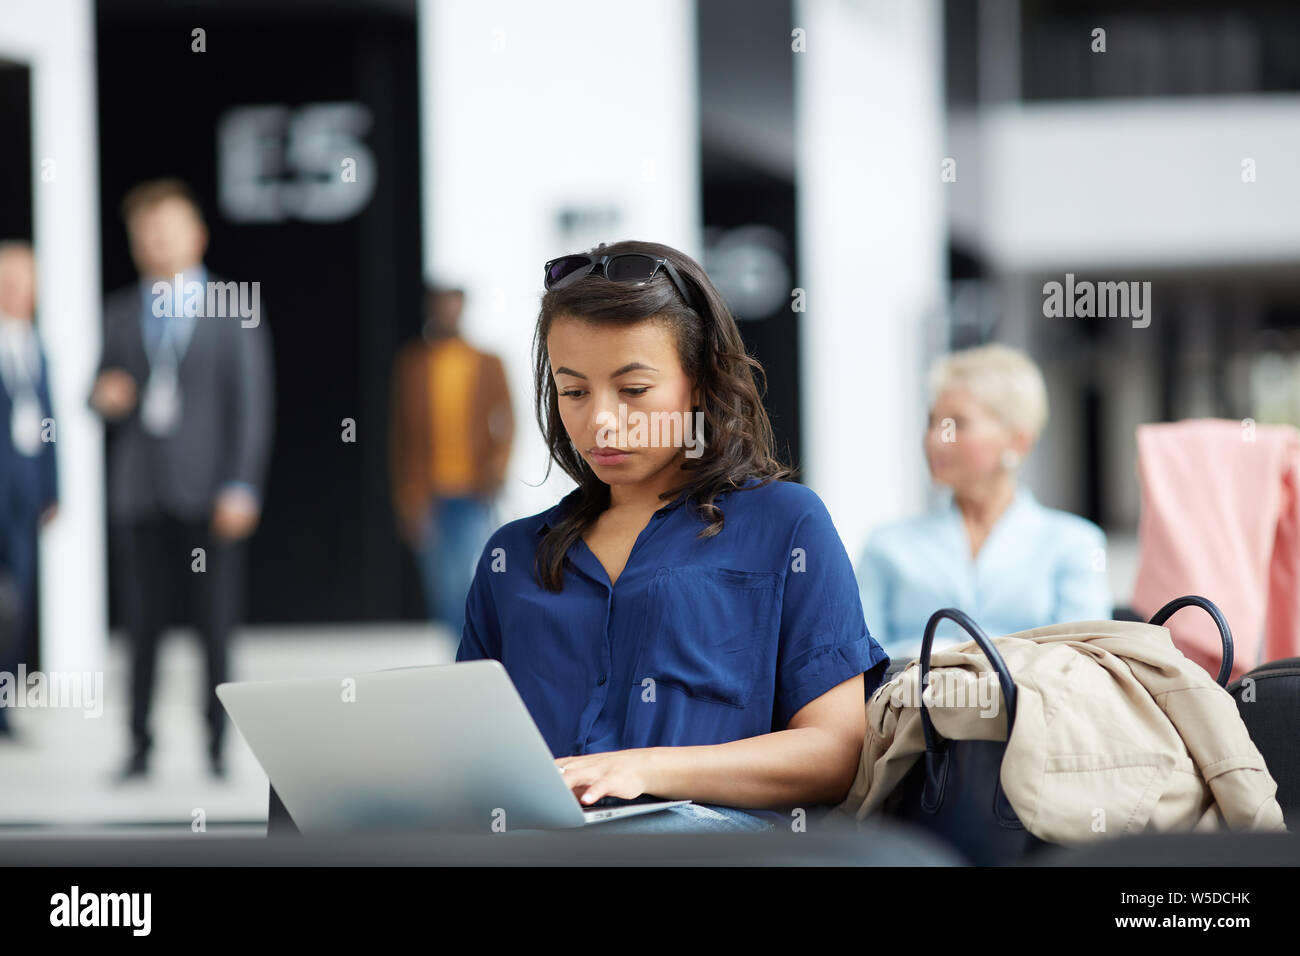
(25, 425)
(160, 408)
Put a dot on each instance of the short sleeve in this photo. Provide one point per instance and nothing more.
(824, 636)
(481, 637)
(1082, 583)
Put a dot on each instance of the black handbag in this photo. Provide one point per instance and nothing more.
(954, 789)
(1268, 699)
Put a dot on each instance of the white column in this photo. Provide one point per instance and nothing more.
(869, 126)
(56, 38)
(528, 110)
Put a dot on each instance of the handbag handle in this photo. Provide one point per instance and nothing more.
(963, 620)
(1194, 600)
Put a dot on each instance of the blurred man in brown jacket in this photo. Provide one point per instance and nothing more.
(451, 435)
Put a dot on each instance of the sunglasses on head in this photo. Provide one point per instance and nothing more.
(622, 267)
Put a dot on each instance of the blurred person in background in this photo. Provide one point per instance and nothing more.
(188, 404)
(991, 550)
(451, 435)
(28, 473)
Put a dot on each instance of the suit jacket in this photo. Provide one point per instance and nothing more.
(227, 405)
(411, 441)
(27, 485)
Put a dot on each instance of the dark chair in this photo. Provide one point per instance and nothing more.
(1268, 699)
(1222, 848)
(875, 677)
(278, 821)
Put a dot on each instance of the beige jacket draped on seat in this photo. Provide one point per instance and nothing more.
(1115, 732)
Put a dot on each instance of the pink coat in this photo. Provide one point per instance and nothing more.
(1221, 518)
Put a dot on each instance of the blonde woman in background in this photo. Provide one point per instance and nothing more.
(991, 550)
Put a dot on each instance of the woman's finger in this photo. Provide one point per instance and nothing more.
(594, 792)
(580, 776)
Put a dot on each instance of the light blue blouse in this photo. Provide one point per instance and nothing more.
(1038, 566)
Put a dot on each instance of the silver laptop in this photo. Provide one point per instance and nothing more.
(446, 747)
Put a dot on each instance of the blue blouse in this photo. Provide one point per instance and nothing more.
(699, 641)
(1038, 566)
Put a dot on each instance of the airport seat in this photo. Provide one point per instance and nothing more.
(1222, 848)
(278, 821)
(1271, 713)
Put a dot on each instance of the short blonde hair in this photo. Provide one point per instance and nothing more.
(1005, 380)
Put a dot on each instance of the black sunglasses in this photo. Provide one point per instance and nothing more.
(622, 267)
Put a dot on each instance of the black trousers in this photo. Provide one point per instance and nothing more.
(174, 570)
(18, 546)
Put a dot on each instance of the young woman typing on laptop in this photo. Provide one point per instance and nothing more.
(686, 622)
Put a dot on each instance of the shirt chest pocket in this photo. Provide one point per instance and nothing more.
(710, 631)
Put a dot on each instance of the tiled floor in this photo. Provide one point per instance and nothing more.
(59, 769)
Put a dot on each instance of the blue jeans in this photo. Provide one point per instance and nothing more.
(690, 818)
(456, 529)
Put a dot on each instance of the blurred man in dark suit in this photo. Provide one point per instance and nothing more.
(28, 475)
(188, 400)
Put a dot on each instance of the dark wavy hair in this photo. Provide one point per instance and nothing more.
(737, 432)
